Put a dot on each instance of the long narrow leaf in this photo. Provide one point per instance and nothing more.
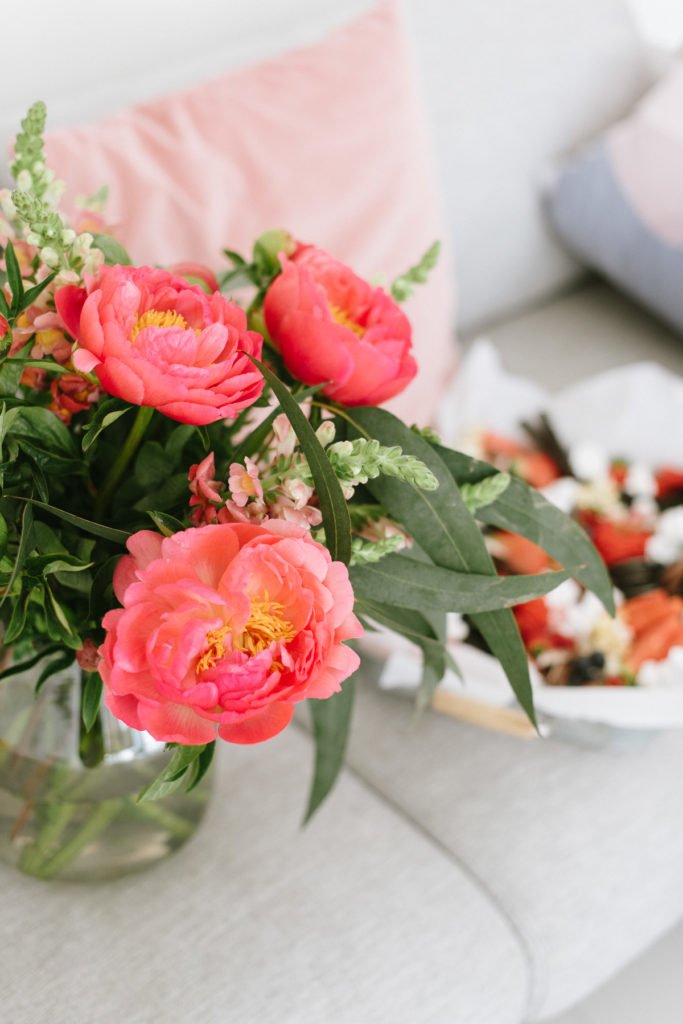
(331, 723)
(410, 584)
(335, 513)
(523, 510)
(95, 529)
(91, 697)
(255, 439)
(22, 550)
(447, 532)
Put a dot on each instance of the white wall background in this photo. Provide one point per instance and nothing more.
(661, 21)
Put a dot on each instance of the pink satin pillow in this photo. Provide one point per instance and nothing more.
(329, 141)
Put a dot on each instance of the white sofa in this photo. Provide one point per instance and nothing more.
(455, 876)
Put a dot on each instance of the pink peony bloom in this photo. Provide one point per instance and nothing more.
(154, 340)
(330, 325)
(223, 629)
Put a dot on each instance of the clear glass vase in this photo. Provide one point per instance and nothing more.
(68, 805)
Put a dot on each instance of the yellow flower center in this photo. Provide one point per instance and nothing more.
(157, 318)
(340, 316)
(264, 627)
(214, 651)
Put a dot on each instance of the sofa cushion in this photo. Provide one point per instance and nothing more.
(341, 160)
(508, 86)
(618, 204)
(357, 918)
(584, 332)
(580, 848)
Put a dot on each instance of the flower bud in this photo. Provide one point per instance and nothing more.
(50, 256)
(24, 181)
(82, 244)
(6, 204)
(68, 236)
(326, 433)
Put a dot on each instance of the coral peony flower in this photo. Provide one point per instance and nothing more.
(223, 629)
(330, 325)
(154, 340)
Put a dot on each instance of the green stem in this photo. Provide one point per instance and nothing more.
(95, 825)
(113, 478)
(173, 823)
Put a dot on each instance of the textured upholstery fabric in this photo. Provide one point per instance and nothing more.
(591, 329)
(359, 919)
(581, 848)
(618, 205)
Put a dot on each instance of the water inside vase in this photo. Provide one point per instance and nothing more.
(60, 818)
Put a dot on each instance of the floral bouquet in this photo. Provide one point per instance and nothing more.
(202, 503)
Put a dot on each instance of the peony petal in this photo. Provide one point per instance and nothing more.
(174, 723)
(120, 380)
(260, 727)
(69, 302)
(84, 361)
(125, 708)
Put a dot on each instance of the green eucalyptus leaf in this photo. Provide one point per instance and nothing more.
(441, 524)
(23, 666)
(46, 565)
(10, 375)
(31, 294)
(253, 441)
(522, 509)
(178, 773)
(17, 622)
(95, 529)
(335, 513)
(114, 252)
(43, 429)
(58, 624)
(14, 278)
(151, 465)
(202, 765)
(25, 541)
(59, 664)
(91, 698)
(168, 525)
(331, 720)
(100, 422)
(411, 584)
(4, 535)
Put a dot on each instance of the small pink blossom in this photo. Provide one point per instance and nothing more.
(285, 438)
(244, 482)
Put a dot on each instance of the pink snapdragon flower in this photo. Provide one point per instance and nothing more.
(223, 630)
(153, 339)
(244, 482)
